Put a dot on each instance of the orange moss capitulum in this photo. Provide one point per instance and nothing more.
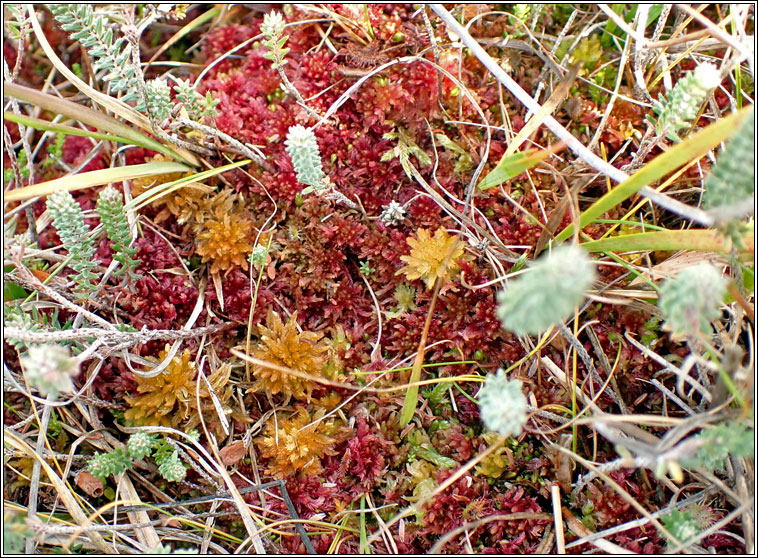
(164, 398)
(432, 257)
(225, 239)
(190, 203)
(170, 398)
(283, 345)
(292, 446)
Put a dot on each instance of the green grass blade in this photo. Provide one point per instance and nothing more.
(411, 396)
(631, 224)
(691, 148)
(694, 239)
(363, 545)
(513, 165)
(47, 126)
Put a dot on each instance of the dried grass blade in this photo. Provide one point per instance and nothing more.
(114, 105)
(87, 116)
(62, 490)
(146, 533)
(93, 178)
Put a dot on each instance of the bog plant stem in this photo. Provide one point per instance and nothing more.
(411, 396)
(253, 304)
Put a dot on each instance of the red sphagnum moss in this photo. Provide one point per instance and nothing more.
(358, 286)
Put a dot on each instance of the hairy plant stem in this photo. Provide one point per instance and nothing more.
(256, 155)
(292, 90)
(107, 336)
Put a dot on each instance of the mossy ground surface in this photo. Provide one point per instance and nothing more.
(344, 292)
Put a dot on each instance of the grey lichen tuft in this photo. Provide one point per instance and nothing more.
(503, 405)
(393, 213)
(730, 186)
(548, 293)
(691, 300)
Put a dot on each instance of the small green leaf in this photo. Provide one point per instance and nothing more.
(692, 239)
(428, 454)
(11, 291)
(513, 165)
(748, 278)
